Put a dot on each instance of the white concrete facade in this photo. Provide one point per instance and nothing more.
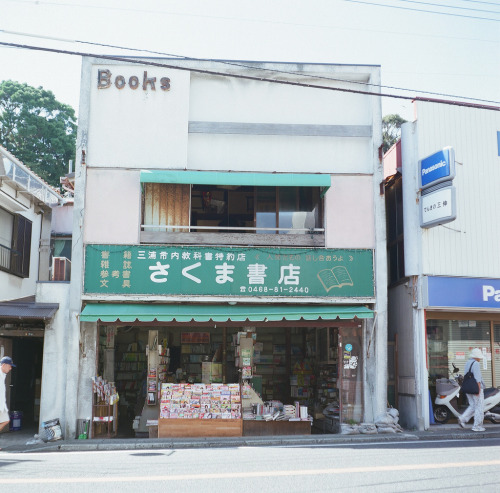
(464, 248)
(24, 193)
(207, 122)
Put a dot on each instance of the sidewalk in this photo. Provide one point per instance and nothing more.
(16, 441)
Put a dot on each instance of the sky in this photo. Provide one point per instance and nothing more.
(452, 49)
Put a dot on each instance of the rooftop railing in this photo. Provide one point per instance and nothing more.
(25, 179)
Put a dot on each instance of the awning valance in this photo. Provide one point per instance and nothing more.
(22, 310)
(132, 312)
(238, 179)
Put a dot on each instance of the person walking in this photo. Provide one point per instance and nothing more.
(476, 401)
(6, 365)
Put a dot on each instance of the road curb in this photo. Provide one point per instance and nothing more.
(270, 441)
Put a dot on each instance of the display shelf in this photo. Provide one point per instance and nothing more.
(270, 358)
(104, 420)
(192, 357)
(327, 392)
(104, 408)
(302, 382)
(130, 371)
(153, 362)
(152, 387)
(327, 344)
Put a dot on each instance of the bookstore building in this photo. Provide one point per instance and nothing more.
(291, 365)
(228, 283)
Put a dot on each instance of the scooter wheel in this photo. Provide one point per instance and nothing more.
(441, 415)
(495, 421)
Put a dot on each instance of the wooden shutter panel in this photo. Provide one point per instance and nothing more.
(166, 204)
(22, 246)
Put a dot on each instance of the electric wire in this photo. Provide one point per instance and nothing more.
(479, 1)
(248, 77)
(243, 65)
(496, 12)
(162, 12)
(373, 4)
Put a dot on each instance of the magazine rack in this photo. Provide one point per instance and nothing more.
(104, 422)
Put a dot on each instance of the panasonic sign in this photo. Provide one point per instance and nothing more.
(490, 293)
(461, 292)
(437, 168)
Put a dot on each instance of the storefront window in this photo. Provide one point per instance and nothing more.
(230, 209)
(351, 375)
(285, 369)
(496, 354)
(449, 343)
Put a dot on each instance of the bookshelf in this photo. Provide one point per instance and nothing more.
(153, 362)
(327, 345)
(192, 357)
(270, 357)
(130, 373)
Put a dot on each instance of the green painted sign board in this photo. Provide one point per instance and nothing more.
(228, 271)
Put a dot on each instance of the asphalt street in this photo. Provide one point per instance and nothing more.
(411, 466)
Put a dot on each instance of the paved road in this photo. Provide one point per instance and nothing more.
(458, 466)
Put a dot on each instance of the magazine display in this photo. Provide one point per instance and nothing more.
(200, 401)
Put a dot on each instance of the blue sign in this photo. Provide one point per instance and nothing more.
(348, 347)
(463, 292)
(437, 168)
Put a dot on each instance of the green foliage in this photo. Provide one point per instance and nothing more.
(37, 129)
(391, 130)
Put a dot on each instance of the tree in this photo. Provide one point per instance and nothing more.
(391, 130)
(37, 129)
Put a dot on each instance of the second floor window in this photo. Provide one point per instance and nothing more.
(15, 243)
(232, 209)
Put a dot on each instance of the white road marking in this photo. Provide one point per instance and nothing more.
(254, 474)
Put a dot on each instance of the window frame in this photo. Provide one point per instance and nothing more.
(238, 235)
(19, 251)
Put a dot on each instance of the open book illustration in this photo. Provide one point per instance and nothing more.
(335, 278)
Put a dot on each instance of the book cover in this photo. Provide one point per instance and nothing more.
(335, 278)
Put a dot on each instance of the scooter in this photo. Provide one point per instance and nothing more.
(448, 390)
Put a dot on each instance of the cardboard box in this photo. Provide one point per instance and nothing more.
(153, 431)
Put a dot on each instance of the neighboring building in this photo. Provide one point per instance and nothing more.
(444, 274)
(206, 205)
(31, 326)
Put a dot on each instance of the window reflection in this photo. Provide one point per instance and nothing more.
(233, 209)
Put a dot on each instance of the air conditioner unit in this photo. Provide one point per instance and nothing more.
(61, 269)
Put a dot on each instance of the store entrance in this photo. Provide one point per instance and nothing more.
(317, 368)
(25, 379)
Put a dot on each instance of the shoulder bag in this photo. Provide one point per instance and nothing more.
(470, 385)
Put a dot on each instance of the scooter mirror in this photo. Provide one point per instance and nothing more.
(455, 369)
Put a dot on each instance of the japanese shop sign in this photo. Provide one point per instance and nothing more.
(223, 271)
(438, 207)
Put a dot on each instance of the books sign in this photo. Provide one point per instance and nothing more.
(223, 271)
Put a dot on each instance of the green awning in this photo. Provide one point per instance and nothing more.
(238, 179)
(136, 312)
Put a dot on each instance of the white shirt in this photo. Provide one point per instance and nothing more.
(3, 392)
